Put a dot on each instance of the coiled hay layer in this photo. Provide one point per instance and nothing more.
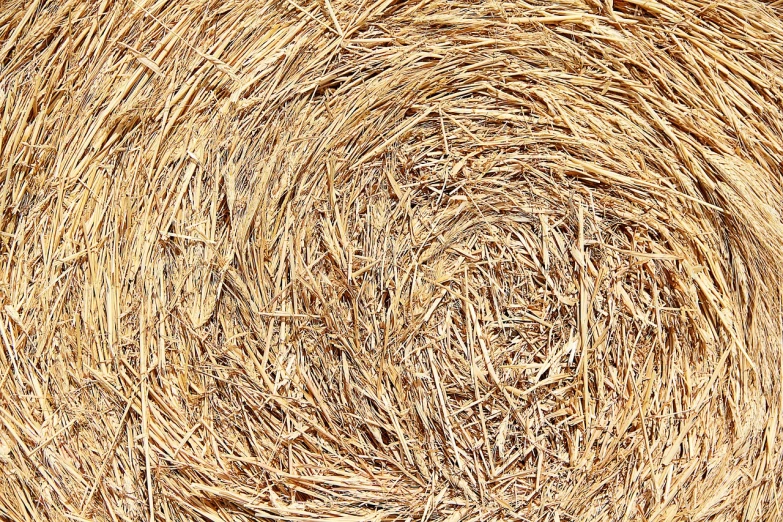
(391, 260)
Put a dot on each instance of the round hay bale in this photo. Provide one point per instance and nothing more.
(391, 260)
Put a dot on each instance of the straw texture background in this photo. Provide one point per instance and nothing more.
(391, 260)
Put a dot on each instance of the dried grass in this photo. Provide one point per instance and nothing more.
(356, 260)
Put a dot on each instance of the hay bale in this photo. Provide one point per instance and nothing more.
(356, 260)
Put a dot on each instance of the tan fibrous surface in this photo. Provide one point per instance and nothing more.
(392, 260)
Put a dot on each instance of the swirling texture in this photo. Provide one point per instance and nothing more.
(391, 260)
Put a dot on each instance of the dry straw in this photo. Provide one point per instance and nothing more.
(391, 260)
